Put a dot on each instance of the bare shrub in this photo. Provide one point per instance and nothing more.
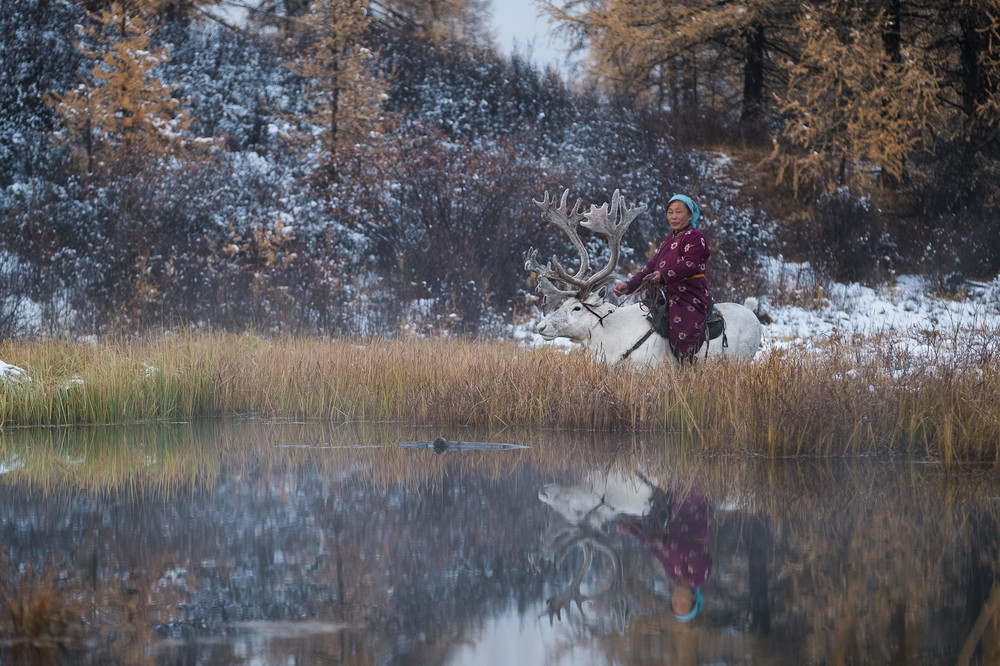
(847, 240)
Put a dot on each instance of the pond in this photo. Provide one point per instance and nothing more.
(242, 542)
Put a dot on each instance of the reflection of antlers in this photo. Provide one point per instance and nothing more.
(557, 603)
(553, 279)
(621, 603)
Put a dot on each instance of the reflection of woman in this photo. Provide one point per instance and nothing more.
(678, 538)
(679, 267)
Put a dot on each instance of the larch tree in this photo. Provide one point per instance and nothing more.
(637, 49)
(686, 56)
(762, 37)
(855, 114)
(455, 21)
(965, 46)
(120, 109)
(345, 90)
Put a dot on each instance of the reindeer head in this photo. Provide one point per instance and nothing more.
(574, 318)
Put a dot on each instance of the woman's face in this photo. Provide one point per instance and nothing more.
(678, 215)
(682, 599)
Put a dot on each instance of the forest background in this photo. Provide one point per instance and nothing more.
(356, 167)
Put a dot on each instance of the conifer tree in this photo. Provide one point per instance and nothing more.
(461, 21)
(855, 113)
(344, 90)
(966, 43)
(120, 109)
(684, 56)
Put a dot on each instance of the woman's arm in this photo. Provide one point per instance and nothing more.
(635, 281)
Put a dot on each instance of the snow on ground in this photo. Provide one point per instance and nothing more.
(10, 373)
(908, 314)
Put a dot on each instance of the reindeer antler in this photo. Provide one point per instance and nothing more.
(546, 274)
(553, 279)
(613, 227)
(566, 221)
(622, 605)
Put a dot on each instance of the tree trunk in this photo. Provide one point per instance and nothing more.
(974, 84)
(753, 77)
(892, 36)
(334, 118)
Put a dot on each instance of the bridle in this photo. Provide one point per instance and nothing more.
(600, 321)
(592, 310)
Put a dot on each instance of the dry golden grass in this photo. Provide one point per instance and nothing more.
(40, 615)
(861, 398)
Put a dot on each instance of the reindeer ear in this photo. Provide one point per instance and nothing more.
(597, 296)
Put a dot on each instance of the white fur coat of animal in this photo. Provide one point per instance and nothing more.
(607, 331)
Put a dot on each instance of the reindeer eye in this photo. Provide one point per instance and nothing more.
(577, 308)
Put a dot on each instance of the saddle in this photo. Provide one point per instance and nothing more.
(655, 301)
(715, 326)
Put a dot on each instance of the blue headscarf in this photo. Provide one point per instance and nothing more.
(692, 206)
(699, 601)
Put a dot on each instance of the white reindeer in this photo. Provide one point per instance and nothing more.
(599, 499)
(606, 331)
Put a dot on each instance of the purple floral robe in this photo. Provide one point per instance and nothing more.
(682, 548)
(682, 259)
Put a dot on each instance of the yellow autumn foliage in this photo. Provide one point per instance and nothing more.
(345, 90)
(853, 117)
(121, 109)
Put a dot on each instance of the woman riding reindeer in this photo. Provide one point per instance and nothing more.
(678, 267)
(623, 334)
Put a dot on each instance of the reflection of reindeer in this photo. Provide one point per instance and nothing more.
(582, 512)
(599, 499)
(615, 595)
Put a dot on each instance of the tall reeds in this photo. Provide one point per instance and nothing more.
(40, 615)
(857, 397)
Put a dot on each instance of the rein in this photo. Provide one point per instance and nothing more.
(645, 336)
(636, 345)
(653, 325)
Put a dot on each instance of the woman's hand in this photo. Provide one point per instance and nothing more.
(620, 289)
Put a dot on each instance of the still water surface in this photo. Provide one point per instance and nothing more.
(305, 543)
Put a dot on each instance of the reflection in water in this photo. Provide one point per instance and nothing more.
(580, 520)
(675, 531)
(673, 526)
(234, 542)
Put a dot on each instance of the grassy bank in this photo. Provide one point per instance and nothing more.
(843, 402)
